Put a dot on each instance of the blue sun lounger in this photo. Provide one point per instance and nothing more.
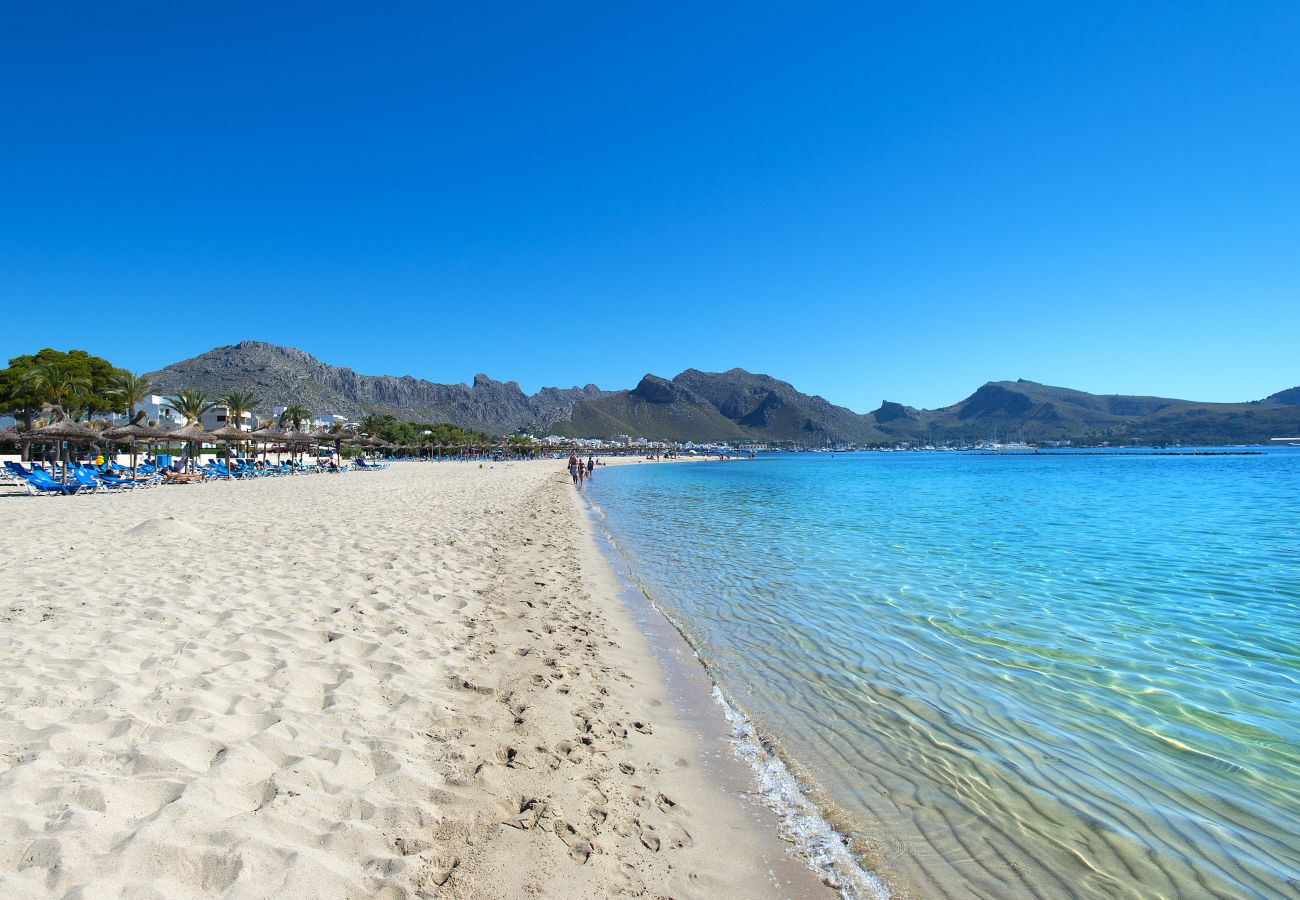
(41, 483)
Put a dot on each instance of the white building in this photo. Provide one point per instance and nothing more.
(216, 418)
(155, 410)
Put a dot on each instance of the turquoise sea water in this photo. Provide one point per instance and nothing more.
(1056, 675)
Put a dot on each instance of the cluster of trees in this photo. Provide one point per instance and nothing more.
(75, 383)
(410, 434)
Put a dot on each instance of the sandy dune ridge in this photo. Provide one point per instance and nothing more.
(417, 682)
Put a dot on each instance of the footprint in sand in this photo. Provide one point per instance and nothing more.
(579, 847)
(530, 810)
(649, 837)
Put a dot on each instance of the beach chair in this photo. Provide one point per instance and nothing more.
(126, 483)
(93, 483)
(41, 484)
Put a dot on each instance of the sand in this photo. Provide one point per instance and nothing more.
(415, 682)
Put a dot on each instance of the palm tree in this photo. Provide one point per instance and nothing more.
(131, 388)
(60, 385)
(237, 403)
(296, 415)
(191, 404)
(371, 425)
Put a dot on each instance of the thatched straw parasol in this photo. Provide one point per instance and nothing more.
(132, 434)
(363, 442)
(191, 434)
(271, 434)
(298, 439)
(64, 430)
(60, 432)
(229, 434)
(338, 439)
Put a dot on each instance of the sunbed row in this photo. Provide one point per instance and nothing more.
(84, 478)
(80, 479)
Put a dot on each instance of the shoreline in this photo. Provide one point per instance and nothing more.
(421, 682)
(697, 837)
(750, 762)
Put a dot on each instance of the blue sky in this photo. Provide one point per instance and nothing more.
(867, 200)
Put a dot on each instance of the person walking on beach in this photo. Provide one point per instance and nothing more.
(591, 465)
(573, 468)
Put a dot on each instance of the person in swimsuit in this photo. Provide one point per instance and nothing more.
(573, 467)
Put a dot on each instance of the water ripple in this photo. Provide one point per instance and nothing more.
(1008, 676)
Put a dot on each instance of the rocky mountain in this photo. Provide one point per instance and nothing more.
(1039, 412)
(716, 406)
(739, 405)
(283, 375)
(735, 405)
(655, 408)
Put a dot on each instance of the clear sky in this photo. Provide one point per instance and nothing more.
(869, 200)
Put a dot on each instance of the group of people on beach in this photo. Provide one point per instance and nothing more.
(580, 471)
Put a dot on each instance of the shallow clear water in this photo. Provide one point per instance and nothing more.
(1009, 675)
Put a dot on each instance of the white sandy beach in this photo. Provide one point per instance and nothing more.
(416, 682)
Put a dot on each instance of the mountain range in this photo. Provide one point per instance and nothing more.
(284, 375)
(735, 405)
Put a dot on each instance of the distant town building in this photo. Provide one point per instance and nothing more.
(216, 418)
(156, 410)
